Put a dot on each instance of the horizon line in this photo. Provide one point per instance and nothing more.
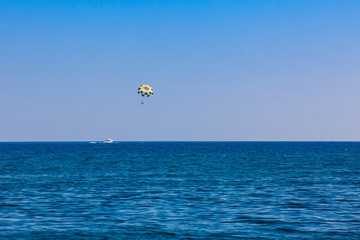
(101, 141)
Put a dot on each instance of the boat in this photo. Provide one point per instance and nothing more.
(109, 140)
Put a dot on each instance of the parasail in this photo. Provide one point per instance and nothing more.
(145, 91)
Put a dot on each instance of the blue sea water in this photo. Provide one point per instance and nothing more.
(180, 190)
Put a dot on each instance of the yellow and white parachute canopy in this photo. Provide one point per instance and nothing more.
(145, 91)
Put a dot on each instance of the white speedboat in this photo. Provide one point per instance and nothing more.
(109, 140)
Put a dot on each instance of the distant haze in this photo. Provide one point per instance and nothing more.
(221, 70)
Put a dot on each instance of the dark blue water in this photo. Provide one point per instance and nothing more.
(180, 190)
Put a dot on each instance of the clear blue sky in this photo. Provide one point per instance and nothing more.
(221, 70)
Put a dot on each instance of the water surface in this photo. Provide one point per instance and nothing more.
(180, 190)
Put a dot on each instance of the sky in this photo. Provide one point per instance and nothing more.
(222, 70)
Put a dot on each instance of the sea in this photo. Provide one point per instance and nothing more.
(180, 190)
